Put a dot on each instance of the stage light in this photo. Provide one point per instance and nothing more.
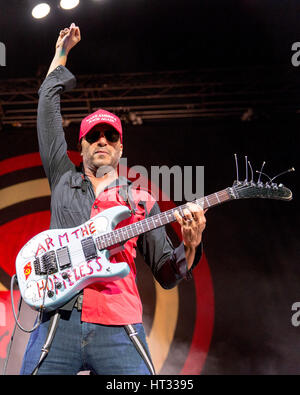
(41, 10)
(68, 4)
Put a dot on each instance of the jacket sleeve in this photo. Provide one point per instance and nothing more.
(168, 264)
(51, 137)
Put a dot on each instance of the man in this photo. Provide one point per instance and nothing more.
(101, 330)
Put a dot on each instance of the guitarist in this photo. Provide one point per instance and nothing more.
(100, 330)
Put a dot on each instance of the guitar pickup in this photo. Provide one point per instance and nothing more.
(63, 257)
(89, 248)
(37, 267)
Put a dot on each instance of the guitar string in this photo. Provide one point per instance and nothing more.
(118, 235)
(151, 222)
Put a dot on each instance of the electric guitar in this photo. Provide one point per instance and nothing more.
(57, 264)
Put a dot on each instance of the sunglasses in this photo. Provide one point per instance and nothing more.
(111, 136)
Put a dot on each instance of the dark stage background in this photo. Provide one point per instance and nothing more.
(235, 316)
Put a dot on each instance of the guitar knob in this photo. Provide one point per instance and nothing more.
(58, 285)
(65, 275)
(50, 294)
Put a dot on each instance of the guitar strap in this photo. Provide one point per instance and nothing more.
(125, 192)
(50, 336)
(140, 347)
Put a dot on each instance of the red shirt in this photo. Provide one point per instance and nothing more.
(117, 302)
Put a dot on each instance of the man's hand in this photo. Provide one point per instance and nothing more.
(68, 38)
(192, 226)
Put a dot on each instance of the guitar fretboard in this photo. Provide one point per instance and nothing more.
(135, 229)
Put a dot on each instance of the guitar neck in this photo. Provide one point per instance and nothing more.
(127, 232)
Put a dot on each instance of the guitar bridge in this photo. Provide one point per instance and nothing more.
(47, 264)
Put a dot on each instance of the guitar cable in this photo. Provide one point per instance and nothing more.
(40, 312)
(16, 317)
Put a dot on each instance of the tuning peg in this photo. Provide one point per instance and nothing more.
(251, 181)
(260, 172)
(236, 169)
(284, 172)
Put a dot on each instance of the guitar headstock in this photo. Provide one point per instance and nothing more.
(257, 189)
(247, 190)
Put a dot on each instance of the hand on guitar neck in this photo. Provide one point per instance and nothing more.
(192, 226)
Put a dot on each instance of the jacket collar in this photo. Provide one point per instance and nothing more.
(78, 178)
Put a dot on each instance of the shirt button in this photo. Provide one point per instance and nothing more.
(95, 207)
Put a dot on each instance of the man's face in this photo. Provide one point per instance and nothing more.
(101, 147)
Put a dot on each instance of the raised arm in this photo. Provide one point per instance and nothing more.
(52, 144)
(67, 39)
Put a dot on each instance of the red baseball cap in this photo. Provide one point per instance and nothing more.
(100, 117)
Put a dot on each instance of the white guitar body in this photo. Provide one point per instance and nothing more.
(57, 264)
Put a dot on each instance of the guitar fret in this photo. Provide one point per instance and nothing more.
(120, 235)
(125, 229)
(112, 238)
(207, 201)
(146, 222)
(152, 223)
(133, 229)
(166, 216)
(130, 231)
(181, 211)
(139, 225)
(157, 220)
(201, 202)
